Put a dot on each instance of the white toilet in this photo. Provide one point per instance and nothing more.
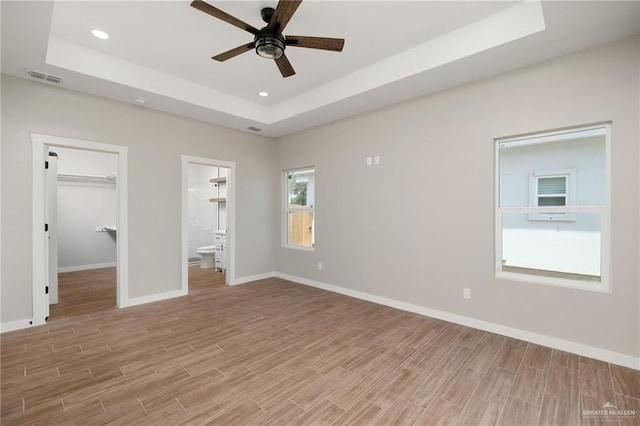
(208, 254)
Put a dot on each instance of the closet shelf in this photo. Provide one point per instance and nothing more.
(68, 177)
(218, 200)
(218, 179)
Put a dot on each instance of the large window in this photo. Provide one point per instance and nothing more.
(299, 187)
(552, 212)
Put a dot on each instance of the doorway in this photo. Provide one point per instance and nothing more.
(208, 219)
(44, 266)
(81, 194)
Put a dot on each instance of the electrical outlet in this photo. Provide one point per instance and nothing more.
(368, 161)
(376, 160)
(466, 293)
(319, 266)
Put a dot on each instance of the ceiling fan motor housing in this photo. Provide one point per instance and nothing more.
(267, 13)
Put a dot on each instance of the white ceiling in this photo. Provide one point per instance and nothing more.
(394, 50)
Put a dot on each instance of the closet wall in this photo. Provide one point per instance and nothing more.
(83, 207)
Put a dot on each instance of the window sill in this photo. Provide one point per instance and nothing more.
(598, 287)
(301, 248)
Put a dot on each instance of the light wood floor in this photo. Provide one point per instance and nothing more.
(84, 292)
(274, 352)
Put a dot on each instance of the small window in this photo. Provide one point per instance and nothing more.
(299, 187)
(552, 191)
(552, 211)
(552, 188)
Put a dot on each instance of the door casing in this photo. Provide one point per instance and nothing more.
(40, 144)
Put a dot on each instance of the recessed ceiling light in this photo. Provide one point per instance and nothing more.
(263, 94)
(99, 34)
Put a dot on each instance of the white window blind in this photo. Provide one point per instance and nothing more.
(552, 191)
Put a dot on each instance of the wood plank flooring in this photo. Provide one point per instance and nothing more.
(278, 353)
(85, 292)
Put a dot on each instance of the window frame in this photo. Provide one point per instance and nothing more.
(286, 210)
(605, 285)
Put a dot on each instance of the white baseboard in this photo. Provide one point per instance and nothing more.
(251, 278)
(153, 298)
(15, 325)
(86, 267)
(539, 339)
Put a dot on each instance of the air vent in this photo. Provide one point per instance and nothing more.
(44, 77)
(254, 129)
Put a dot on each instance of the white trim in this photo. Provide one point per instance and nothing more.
(38, 243)
(134, 301)
(301, 248)
(87, 267)
(15, 325)
(38, 144)
(570, 209)
(605, 224)
(598, 287)
(552, 136)
(251, 278)
(516, 333)
(231, 216)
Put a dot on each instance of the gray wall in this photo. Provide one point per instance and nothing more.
(156, 141)
(393, 231)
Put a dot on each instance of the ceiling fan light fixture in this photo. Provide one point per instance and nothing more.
(270, 47)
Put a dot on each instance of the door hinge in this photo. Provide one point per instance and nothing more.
(46, 227)
(52, 154)
(46, 290)
(46, 164)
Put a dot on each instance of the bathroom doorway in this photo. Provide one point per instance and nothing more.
(207, 221)
(45, 196)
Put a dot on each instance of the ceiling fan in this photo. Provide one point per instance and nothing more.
(269, 42)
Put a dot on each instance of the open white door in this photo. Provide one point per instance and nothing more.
(52, 226)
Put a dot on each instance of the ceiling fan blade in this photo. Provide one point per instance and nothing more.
(324, 43)
(217, 13)
(233, 52)
(285, 66)
(282, 15)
